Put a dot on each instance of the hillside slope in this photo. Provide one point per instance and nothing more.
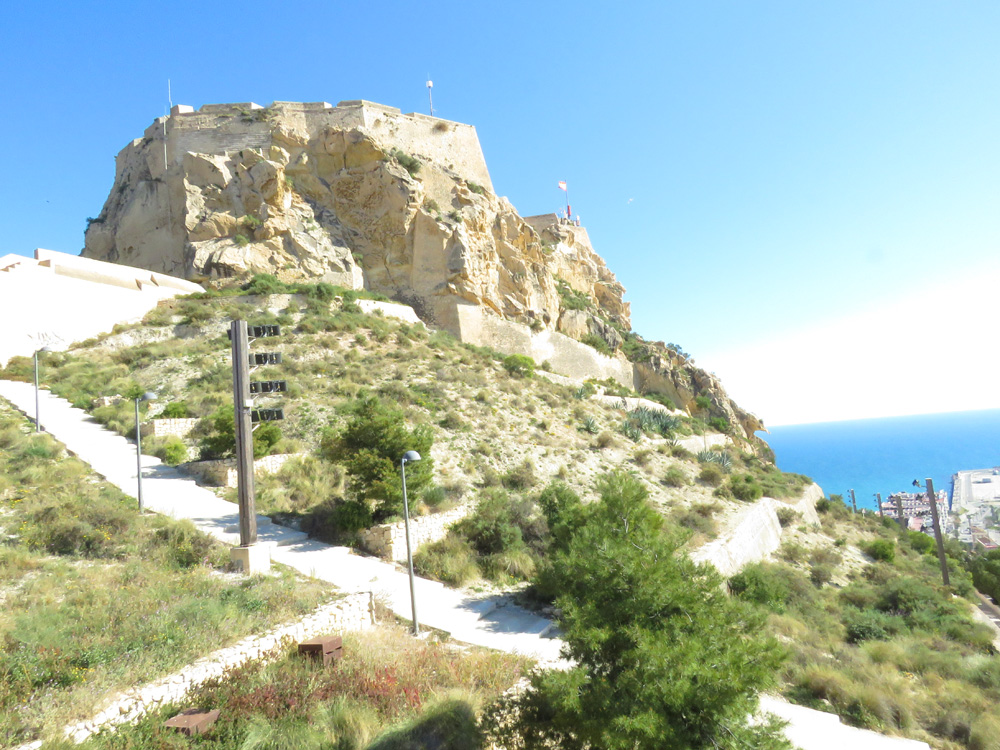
(362, 196)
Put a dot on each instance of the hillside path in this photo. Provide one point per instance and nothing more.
(486, 621)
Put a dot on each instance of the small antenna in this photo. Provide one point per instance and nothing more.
(170, 101)
(430, 93)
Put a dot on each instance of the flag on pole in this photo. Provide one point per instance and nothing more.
(562, 185)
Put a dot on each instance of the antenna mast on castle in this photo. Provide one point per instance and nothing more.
(169, 100)
(430, 95)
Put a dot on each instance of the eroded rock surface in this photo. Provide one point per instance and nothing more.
(362, 196)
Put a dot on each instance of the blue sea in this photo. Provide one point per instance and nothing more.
(886, 455)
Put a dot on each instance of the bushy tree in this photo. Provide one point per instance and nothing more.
(220, 442)
(371, 446)
(664, 659)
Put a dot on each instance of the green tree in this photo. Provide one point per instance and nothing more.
(664, 659)
(371, 446)
(220, 442)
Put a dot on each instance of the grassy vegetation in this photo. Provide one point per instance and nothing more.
(869, 633)
(887, 647)
(96, 598)
(389, 692)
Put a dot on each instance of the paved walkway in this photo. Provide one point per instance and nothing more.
(481, 621)
(485, 621)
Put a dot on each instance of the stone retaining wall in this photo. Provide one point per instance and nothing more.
(222, 473)
(168, 427)
(388, 540)
(353, 612)
(755, 533)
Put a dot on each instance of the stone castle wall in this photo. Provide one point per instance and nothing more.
(228, 128)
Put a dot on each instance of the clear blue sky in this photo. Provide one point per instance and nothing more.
(788, 163)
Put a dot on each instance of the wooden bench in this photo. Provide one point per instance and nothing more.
(328, 647)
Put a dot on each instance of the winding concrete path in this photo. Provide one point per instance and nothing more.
(485, 621)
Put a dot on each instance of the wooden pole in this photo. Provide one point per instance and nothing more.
(899, 510)
(854, 502)
(878, 499)
(244, 432)
(932, 498)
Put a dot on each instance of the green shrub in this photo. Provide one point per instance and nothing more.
(690, 518)
(820, 573)
(337, 520)
(869, 625)
(922, 543)
(571, 299)
(787, 516)
(703, 402)
(407, 162)
(476, 188)
(371, 447)
(675, 477)
(880, 549)
(521, 477)
(711, 474)
(451, 560)
(744, 487)
(174, 452)
(762, 584)
(434, 497)
(596, 342)
(649, 634)
(175, 410)
(720, 424)
(519, 365)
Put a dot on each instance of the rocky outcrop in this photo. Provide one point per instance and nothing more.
(358, 195)
(363, 196)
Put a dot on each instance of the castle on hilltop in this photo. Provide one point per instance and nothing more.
(227, 128)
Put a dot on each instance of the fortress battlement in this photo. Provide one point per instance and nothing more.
(229, 128)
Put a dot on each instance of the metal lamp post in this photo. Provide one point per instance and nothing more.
(43, 349)
(409, 457)
(147, 396)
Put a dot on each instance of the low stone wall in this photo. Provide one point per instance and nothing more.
(222, 473)
(353, 612)
(388, 540)
(755, 533)
(169, 427)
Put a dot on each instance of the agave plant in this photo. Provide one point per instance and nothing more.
(589, 426)
(631, 430)
(722, 458)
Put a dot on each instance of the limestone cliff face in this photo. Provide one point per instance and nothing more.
(357, 195)
(363, 196)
